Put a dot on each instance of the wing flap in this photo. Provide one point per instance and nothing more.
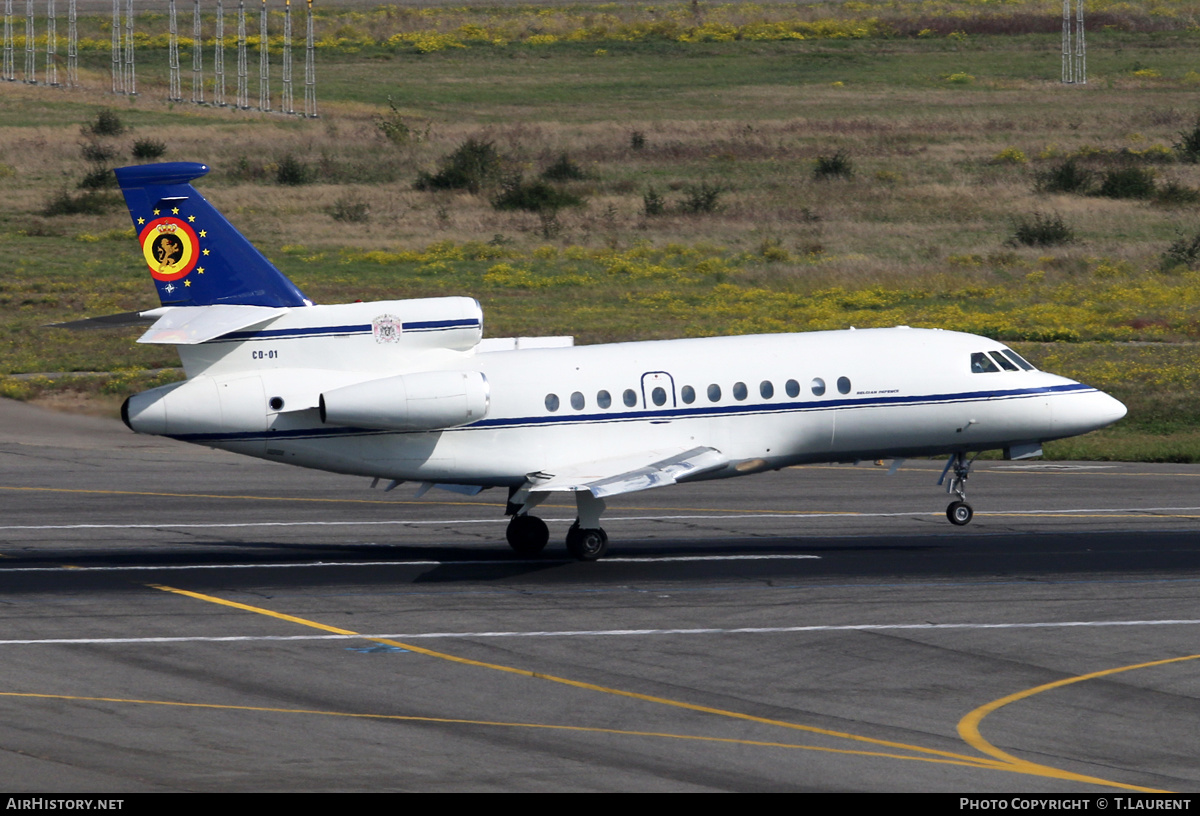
(627, 474)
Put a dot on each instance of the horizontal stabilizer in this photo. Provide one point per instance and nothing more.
(190, 325)
(113, 321)
(627, 474)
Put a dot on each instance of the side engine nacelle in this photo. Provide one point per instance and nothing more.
(425, 401)
(199, 407)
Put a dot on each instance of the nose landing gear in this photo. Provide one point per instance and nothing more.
(958, 512)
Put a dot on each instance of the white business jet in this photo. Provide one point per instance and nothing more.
(409, 390)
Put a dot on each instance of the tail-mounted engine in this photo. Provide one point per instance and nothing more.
(424, 401)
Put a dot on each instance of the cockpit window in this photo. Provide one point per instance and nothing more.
(1018, 359)
(982, 364)
(991, 362)
(1005, 363)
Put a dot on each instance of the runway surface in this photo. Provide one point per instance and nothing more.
(179, 619)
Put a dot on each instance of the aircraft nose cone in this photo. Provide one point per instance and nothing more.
(1108, 410)
(1088, 412)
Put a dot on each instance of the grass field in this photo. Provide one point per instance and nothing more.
(741, 168)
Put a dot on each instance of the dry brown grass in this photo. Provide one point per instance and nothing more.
(926, 186)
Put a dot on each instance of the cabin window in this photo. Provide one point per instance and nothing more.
(714, 393)
(739, 391)
(688, 394)
(818, 386)
(843, 385)
(577, 401)
(766, 389)
(982, 364)
(552, 402)
(792, 388)
(659, 396)
(604, 399)
(629, 398)
(1018, 359)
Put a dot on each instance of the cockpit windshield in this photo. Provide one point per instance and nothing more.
(990, 362)
(1018, 359)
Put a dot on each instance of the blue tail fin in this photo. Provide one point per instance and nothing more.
(195, 256)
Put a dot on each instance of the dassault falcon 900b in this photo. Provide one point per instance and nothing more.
(408, 390)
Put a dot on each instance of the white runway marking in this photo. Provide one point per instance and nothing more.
(772, 630)
(485, 561)
(799, 515)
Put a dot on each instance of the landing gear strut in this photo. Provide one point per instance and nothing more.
(527, 535)
(958, 512)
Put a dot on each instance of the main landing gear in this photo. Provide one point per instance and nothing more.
(528, 536)
(958, 512)
(586, 540)
(586, 544)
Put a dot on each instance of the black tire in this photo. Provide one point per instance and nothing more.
(527, 535)
(959, 513)
(586, 545)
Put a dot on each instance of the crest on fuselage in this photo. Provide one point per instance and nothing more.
(170, 248)
(387, 329)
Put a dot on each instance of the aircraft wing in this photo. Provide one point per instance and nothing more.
(626, 474)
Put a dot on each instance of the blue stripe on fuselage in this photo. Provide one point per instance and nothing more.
(341, 331)
(667, 414)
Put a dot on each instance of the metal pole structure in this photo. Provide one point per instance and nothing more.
(1080, 49)
(264, 62)
(285, 101)
(310, 71)
(130, 74)
(219, 58)
(175, 94)
(118, 68)
(9, 74)
(1074, 54)
(51, 45)
(1068, 64)
(197, 56)
(72, 46)
(30, 64)
(243, 93)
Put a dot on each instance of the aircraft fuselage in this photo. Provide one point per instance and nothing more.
(765, 401)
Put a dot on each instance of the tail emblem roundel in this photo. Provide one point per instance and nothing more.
(170, 248)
